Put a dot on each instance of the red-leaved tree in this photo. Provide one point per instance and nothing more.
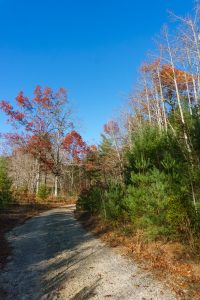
(44, 119)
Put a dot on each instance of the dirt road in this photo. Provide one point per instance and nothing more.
(55, 258)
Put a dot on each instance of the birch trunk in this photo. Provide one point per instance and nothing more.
(193, 80)
(37, 177)
(178, 95)
(56, 186)
(188, 93)
(147, 99)
(162, 99)
(158, 107)
(182, 120)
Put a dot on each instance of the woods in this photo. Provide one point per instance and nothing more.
(151, 159)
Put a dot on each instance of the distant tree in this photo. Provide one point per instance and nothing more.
(112, 135)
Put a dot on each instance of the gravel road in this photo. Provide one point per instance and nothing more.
(55, 258)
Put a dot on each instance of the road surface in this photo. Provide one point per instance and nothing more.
(55, 258)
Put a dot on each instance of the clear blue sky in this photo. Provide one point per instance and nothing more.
(93, 48)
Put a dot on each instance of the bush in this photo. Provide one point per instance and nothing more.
(5, 183)
(146, 202)
(107, 201)
(114, 202)
(153, 149)
(182, 218)
(42, 192)
(91, 199)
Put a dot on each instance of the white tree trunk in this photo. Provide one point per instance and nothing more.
(162, 99)
(147, 98)
(188, 94)
(193, 80)
(159, 117)
(56, 186)
(178, 95)
(38, 177)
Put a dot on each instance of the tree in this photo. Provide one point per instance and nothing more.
(45, 120)
(111, 129)
(75, 150)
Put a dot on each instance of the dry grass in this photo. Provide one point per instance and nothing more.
(172, 261)
(25, 198)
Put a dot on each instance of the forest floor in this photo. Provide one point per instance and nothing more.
(173, 263)
(54, 257)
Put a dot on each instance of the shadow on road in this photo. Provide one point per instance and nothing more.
(87, 292)
(49, 249)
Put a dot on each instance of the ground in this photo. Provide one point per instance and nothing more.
(12, 216)
(53, 257)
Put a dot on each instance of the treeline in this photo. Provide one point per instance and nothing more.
(148, 172)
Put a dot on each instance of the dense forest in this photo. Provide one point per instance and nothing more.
(145, 172)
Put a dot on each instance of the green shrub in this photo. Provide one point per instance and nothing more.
(91, 199)
(5, 183)
(107, 201)
(181, 216)
(114, 202)
(146, 202)
(43, 192)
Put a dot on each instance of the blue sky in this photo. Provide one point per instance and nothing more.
(93, 48)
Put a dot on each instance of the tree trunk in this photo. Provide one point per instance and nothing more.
(159, 116)
(178, 97)
(38, 177)
(56, 186)
(193, 79)
(188, 94)
(147, 99)
(162, 99)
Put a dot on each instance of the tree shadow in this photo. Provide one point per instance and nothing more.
(70, 265)
(53, 246)
(87, 292)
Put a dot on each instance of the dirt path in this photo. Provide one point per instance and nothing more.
(55, 258)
